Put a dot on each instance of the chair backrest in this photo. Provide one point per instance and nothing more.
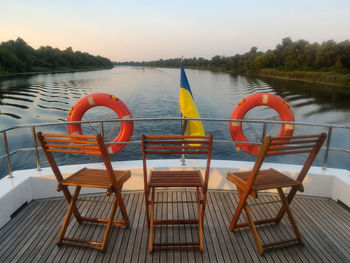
(74, 144)
(274, 146)
(177, 145)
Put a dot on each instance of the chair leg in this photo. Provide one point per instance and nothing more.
(251, 223)
(204, 204)
(290, 197)
(71, 208)
(147, 207)
(290, 216)
(109, 224)
(122, 207)
(151, 231)
(68, 197)
(254, 231)
(200, 221)
(240, 206)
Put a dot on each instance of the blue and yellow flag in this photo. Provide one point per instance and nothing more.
(188, 107)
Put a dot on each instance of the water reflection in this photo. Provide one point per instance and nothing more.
(338, 97)
(152, 92)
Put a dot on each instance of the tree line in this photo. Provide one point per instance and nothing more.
(16, 56)
(288, 56)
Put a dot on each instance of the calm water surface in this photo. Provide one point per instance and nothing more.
(153, 92)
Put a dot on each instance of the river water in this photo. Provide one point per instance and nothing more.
(153, 92)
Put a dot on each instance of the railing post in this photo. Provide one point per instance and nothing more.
(183, 163)
(6, 148)
(36, 149)
(330, 129)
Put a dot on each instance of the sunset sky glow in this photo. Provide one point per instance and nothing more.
(131, 30)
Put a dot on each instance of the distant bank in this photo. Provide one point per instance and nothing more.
(328, 62)
(17, 57)
(329, 78)
(68, 70)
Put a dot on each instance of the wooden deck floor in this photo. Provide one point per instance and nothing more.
(31, 235)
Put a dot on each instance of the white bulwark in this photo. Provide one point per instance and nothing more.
(27, 185)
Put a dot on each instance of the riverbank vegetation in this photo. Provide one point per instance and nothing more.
(16, 56)
(328, 62)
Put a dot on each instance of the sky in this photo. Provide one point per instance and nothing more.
(144, 30)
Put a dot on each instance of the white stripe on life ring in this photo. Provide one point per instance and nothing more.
(235, 124)
(109, 150)
(265, 99)
(289, 127)
(91, 100)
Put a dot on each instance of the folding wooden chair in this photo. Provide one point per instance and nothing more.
(109, 179)
(176, 145)
(250, 182)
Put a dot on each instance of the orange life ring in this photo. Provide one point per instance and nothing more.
(260, 99)
(102, 99)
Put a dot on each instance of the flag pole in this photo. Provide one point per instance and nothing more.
(182, 124)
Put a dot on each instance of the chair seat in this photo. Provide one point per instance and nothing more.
(266, 179)
(95, 178)
(175, 179)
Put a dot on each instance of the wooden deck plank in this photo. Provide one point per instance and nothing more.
(225, 247)
(277, 232)
(27, 210)
(315, 239)
(20, 233)
(341, 214)
(115, 237)
(31, 235)
(129, 239)
(314, 235)
(190, 233)
(232, 245)
(313, 254)
(16, 225)
(156, 229)
(131, 243)
(229, 203)
(246, 233)
(141, 230)
(57, 252)
(164, 230)
(50, 242)
(169, 209)
(322, 224)
(331, 223)
(124, 234)
(38, 245)
(77, 231)
(281, 231)
(143, 254)
(34, 230)
(264, 231)
(95, 231)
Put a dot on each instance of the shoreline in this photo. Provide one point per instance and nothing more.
(257, 74)
(49, 72)
(295, 79)
(267, 75)
(308, 79)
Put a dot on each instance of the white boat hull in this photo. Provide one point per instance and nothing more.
(27, 185)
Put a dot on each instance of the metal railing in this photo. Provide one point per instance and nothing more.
(35, 148)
